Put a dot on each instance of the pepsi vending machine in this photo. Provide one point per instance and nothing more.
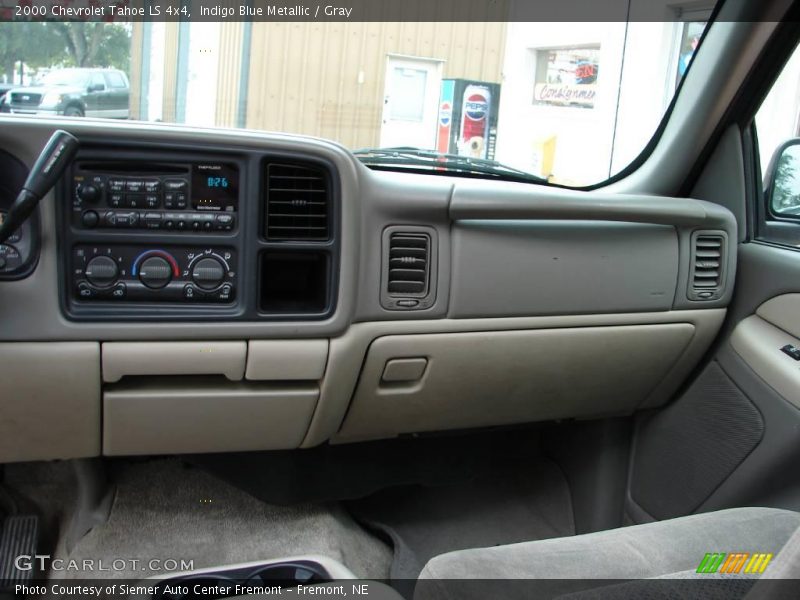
(468, 118)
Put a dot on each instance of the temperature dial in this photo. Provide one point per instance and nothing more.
(208, 273)
(102, 271)
(155, 272)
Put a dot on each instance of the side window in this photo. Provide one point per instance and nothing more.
(115, 80)
(778, 131)
(98, 84)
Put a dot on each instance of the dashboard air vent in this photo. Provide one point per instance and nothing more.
(408, 264)
(707, 266)
(298, 203)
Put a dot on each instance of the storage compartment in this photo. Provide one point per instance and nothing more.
(481, 379)
(173, 415)
(294, 282)
(286, 360)
(121, 359)
(526, 268)
(50, 403)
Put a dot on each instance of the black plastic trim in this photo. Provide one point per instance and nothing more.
(15, 173)
(245, 238)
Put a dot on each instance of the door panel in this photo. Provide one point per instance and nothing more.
(96, 100)
(731, 439)
(759, 343)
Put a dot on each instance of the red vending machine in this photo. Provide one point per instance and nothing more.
(468, 118)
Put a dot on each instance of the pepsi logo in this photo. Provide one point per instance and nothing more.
(476, 107)
(445, 114)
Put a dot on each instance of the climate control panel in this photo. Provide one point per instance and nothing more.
(120, 273)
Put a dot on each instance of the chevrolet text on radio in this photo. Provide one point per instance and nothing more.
(419, 300)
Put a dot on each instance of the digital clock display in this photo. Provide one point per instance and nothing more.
(215, 187)
(218, 182)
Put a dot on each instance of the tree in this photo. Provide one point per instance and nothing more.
(786, 193)
(63, 44)
(94, 44)
(27, 41)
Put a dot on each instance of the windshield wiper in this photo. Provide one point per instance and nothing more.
(416, 157)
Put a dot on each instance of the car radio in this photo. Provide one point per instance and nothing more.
(196, 197)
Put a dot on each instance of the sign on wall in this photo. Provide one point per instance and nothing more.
(567, 76)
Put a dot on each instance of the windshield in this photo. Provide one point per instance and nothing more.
(567, 103)
(66, 77)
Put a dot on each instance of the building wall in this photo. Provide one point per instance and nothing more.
(231, 37)
(327, 79)
(135, 76)
(634, 86)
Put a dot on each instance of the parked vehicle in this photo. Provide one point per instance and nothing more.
(4, 89)
(73, 93)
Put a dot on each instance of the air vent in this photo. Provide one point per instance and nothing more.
(707, 266)
(298, 203)
(408, 264)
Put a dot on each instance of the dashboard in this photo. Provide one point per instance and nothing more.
(186, 290)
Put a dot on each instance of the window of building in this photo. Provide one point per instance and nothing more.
(566, 76)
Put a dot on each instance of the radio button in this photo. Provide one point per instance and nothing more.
(152, 220)
(135, 201)
(134, 185)
(152, 186)
(151, 200)
(89, 193)
(176, 185)
(169, 200)
(116, 185)
(180, 201)
(90, 219)
(123, 219)
(224, 221)
(116, 200)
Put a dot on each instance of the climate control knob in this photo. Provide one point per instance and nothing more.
(102, 271)
(155, 272)
(208, 273)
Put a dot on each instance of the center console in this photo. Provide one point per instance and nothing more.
(148, 234)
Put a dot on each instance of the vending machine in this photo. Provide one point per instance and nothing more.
(468, 118)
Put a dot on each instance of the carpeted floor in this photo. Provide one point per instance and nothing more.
(517, 503)
(485, 493)
(164, 509)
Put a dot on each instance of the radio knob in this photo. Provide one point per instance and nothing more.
(155, 272)
(102, 271)
(90, 218)
(208, 273)
(89, 193)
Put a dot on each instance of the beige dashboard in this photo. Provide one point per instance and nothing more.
(537, 304)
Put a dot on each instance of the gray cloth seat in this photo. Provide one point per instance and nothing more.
(662, 549)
